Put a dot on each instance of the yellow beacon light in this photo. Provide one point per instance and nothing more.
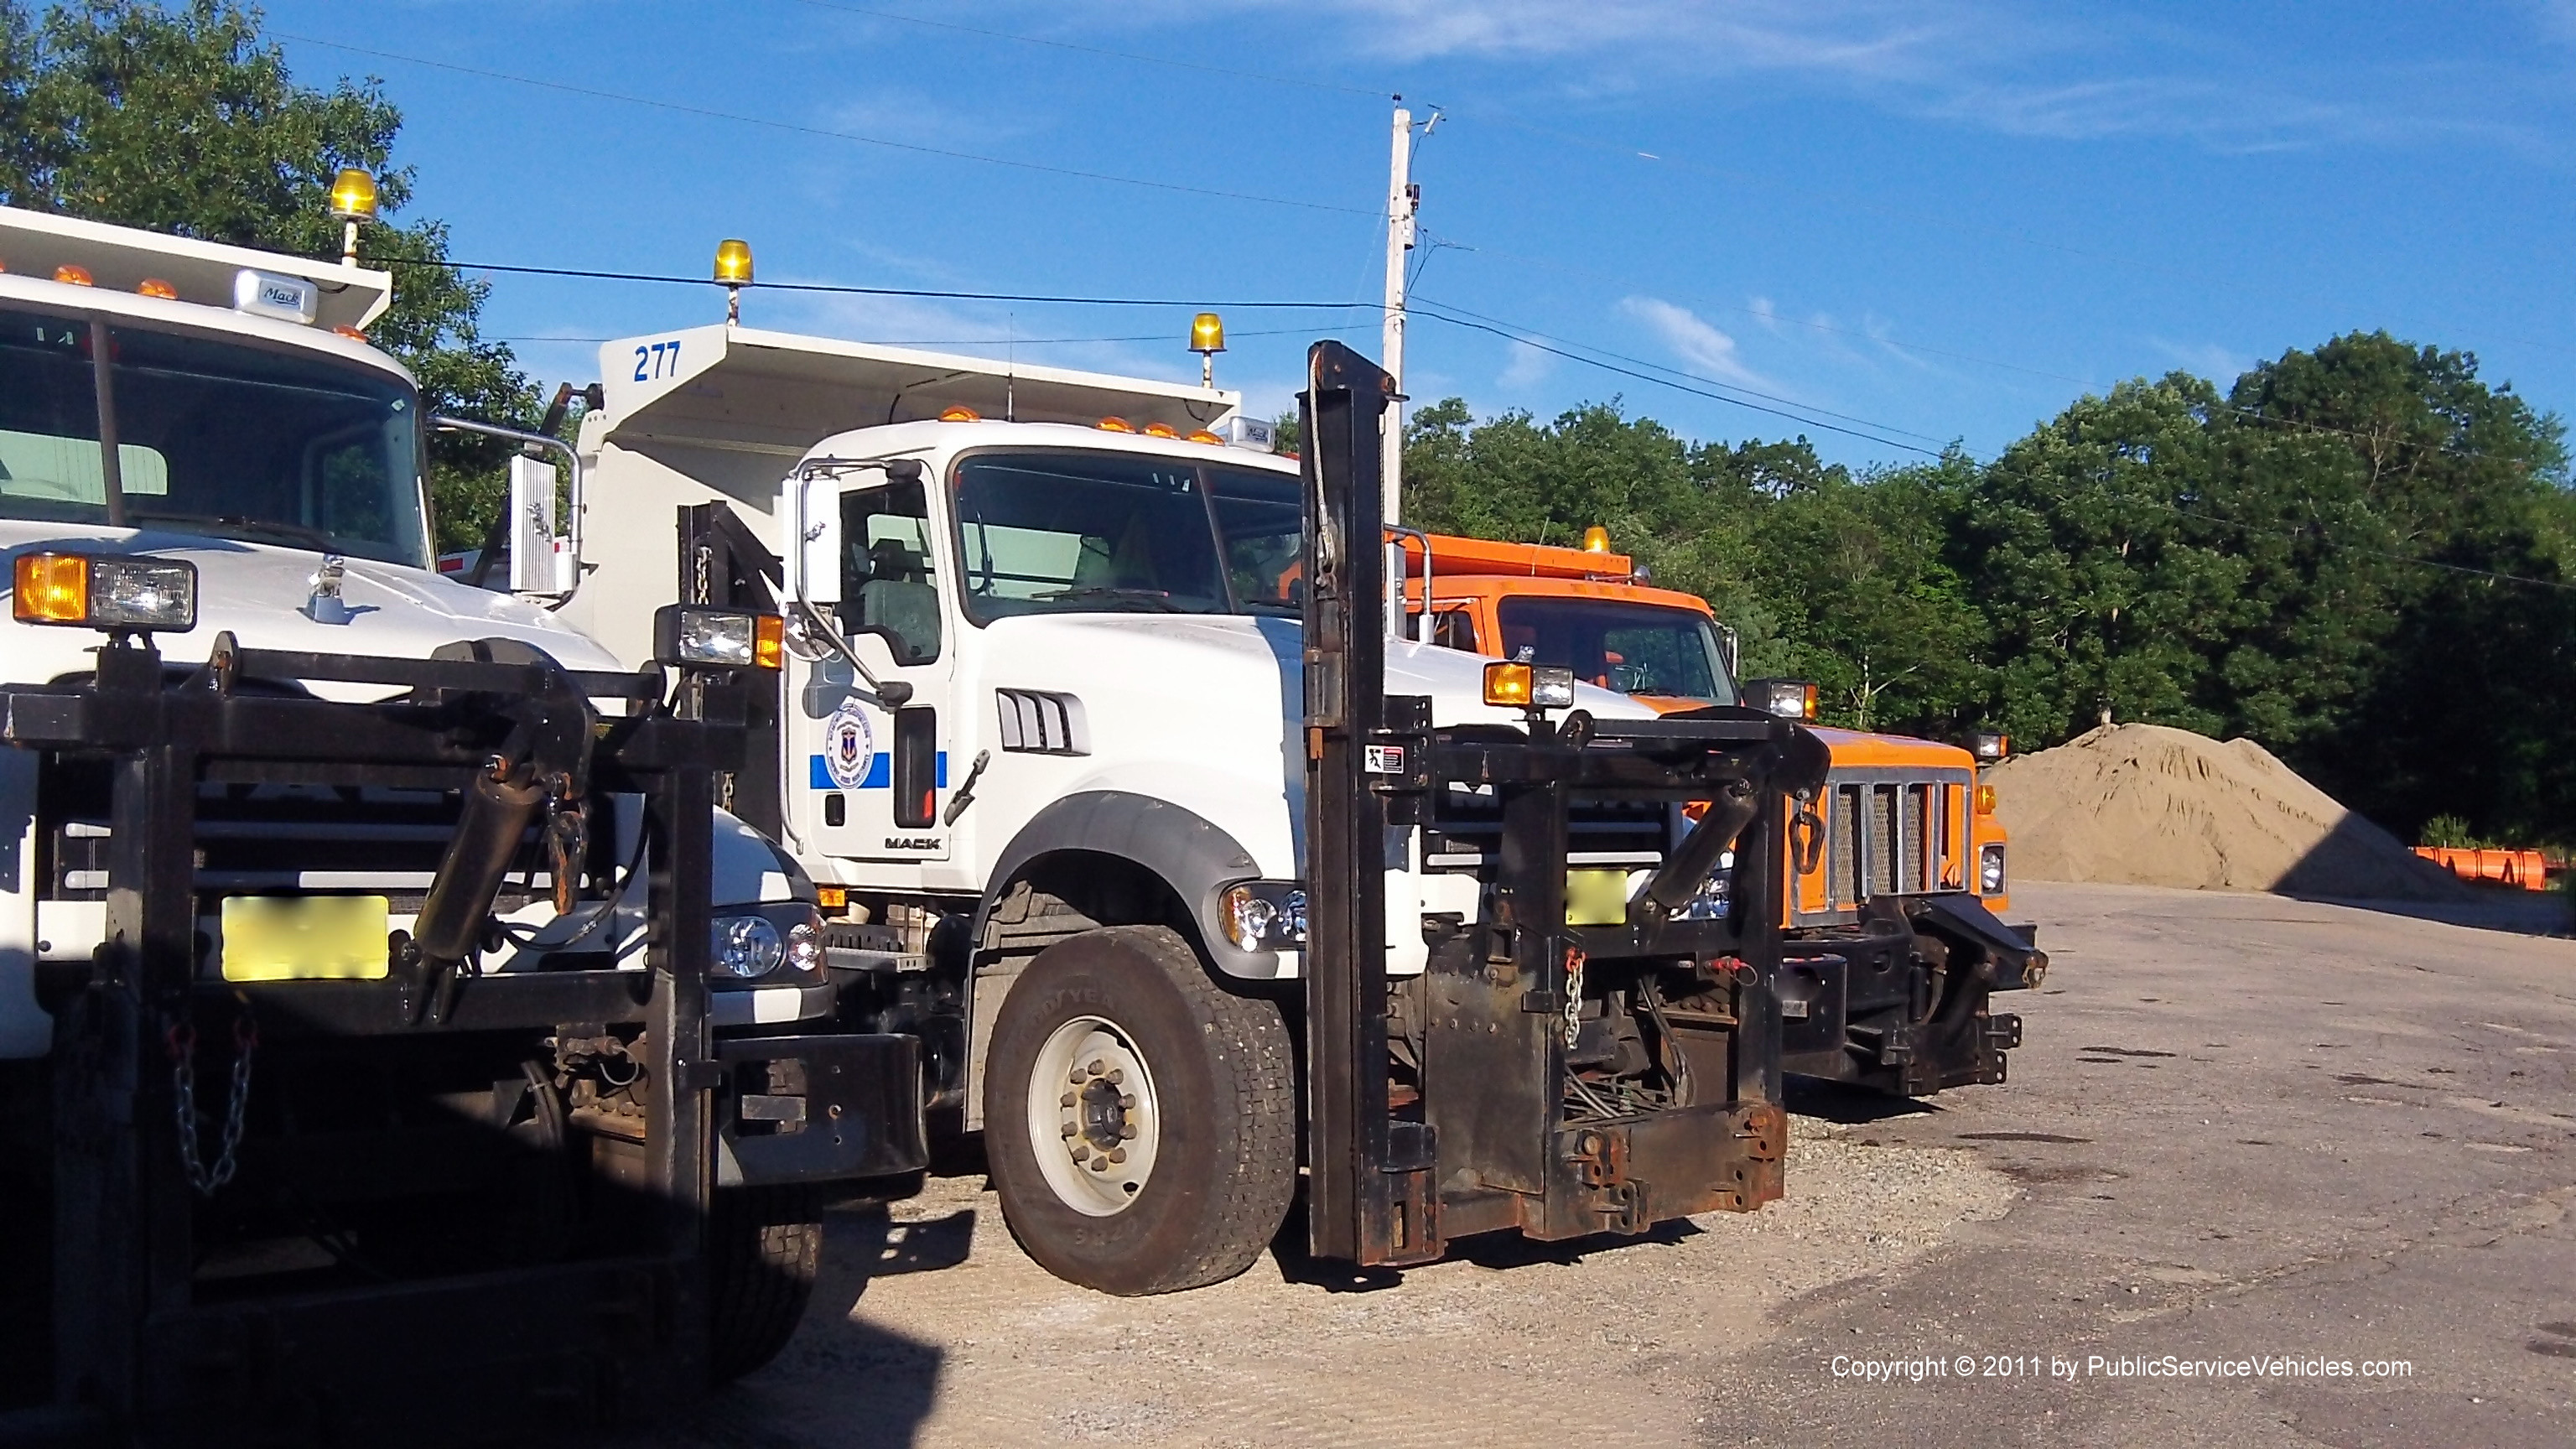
(1207, 339)
(353, 200)
(1596, 539)
(353, 195)
(733, 268)
(155, 287)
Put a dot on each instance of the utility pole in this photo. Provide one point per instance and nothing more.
(1403, 199)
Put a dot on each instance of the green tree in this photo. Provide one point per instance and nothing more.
(2087, 548)
(186, 121)
(2431, 498)
(1868, 605)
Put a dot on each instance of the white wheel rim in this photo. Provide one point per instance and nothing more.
(1094, 1121)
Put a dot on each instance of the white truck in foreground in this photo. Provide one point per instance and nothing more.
(1189, 878)
(395, 1042)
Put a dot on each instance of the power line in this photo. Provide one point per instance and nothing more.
(1522, 335)
(976, 341)
(842, 289)
(1434, 312)
(804, 130)
(1442, 312)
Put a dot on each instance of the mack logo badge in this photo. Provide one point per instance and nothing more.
(1383, 759)
(849, 745)
(912, 842)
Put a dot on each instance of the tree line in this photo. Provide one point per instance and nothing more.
(2358, 555)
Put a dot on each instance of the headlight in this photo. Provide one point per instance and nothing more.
(105, 591)
(1990, 871)
(1263, 916)
(688, 637)
(751, 942)
(746, 947)
(1515, 685)
(1784, 698)
(1716, 898)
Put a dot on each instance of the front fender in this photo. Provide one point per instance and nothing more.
(1192, 856)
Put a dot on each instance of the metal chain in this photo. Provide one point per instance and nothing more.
(1573, 996)
(183, 1069)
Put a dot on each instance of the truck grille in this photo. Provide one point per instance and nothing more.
(1892, 832)
(284, 839)
(1467, 828)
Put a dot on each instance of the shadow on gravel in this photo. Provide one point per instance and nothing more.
(1847, 1104)
(1500, 1251)
(874, 1387)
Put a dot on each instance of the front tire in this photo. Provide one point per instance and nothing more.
(1140, 1120)
(764, 1245)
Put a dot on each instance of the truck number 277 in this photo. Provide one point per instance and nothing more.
(661, 359)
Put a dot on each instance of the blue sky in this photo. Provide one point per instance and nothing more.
(1945, 219)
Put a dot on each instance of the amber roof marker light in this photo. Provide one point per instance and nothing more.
(733, 268)
(354, 198)
(1207, 339)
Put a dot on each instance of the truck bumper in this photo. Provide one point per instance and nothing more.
(817, 1109)
(1902, 1003)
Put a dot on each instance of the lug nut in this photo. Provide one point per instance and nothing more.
(1077, 1078)
(1127, 1101)
(1114, 1076)
(1081, 1150)
(1118, 1154)
(1094, 1066)
(1069, 1130)
(1066, 1100)
(1100, 1164)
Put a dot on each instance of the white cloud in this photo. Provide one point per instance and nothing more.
(1703, 348)
(2207, 359)
(1529, 366)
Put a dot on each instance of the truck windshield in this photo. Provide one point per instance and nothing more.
(1633, 648)
(1085, 533)
(212, 437)
(1261, 524)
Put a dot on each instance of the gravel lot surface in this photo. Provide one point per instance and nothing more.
(2243, 1126)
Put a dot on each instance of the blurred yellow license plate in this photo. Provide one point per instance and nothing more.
(1596, 897)
(304, 938)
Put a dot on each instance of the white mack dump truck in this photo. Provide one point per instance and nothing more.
(395, 1042)
(1189, 879)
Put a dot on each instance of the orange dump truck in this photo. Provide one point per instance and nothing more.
(1896, 868)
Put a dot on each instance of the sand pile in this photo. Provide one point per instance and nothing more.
(2147, 805)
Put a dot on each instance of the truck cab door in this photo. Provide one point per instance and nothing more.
(873, 778)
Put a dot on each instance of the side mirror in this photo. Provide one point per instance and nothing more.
(818, 551)
(541, 559)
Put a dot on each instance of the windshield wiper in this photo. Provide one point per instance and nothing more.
(238, 523)
(1155, 598)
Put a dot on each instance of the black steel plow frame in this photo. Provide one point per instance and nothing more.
(141, 1354)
